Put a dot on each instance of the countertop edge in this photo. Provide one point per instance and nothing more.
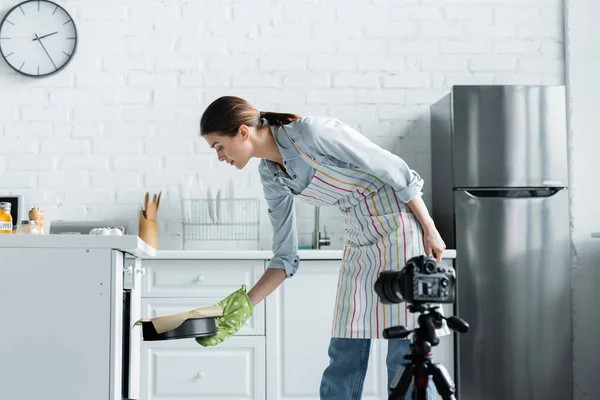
(255, 254)
(130, 244)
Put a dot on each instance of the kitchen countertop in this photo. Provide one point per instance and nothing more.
(135, 246)
(130, 244)
(256, 254)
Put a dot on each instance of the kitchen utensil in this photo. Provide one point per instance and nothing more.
(151, 211)
(158, 200)
(218, 206)
(211, 212)
(151, 208)
(230, 202)
(146, 200)
(190, 328)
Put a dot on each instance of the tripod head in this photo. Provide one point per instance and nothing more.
(429, 320)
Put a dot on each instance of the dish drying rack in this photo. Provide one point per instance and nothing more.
(220, 219)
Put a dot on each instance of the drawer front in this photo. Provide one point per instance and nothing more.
(182, 369)
(199, 278)
(156, 307)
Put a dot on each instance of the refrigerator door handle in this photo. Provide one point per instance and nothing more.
(515, 193)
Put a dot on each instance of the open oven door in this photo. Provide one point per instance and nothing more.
(125, 338)
(132, 339)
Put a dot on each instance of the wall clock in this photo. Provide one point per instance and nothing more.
(37, 38)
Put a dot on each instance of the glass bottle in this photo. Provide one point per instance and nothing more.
(6, 222)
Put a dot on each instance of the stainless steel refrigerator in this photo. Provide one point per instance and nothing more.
(500, 198)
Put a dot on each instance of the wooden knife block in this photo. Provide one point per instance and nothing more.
(148, 231)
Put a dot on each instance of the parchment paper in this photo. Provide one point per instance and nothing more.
(169, 322)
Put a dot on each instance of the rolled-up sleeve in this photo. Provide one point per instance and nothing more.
(283, 220)
(333, 138)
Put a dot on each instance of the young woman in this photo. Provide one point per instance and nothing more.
(324, 162)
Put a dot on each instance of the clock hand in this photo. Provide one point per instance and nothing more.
(44, 47)
(41, 37)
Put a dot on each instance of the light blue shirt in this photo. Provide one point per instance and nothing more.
(330, 142)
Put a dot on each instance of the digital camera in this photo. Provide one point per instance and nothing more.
(421, 281)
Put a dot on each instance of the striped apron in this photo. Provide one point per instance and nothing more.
(381, 233)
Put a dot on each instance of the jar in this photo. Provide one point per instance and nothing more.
(28, 227)
(6, 222)
(37, 216)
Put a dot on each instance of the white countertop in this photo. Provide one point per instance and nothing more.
(130, 244)
(256, 254)
(135, 246)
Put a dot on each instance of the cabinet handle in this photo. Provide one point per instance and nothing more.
(200, 375)
(200, 278)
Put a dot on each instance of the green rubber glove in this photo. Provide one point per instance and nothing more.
(237, 309)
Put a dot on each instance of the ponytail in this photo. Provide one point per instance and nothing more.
(277, 119)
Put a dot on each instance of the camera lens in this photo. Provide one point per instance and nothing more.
(388, 287)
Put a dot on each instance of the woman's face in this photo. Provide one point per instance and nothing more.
(234, 150)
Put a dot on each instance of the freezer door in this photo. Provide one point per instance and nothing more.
(509, 136)
(514, 291)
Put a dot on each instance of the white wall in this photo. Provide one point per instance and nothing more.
(122, 118)
(582, 66)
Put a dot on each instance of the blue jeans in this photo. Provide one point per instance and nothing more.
(343, 379)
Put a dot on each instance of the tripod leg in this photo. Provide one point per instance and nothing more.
(421, 375)
(401, 383)
(443, 382)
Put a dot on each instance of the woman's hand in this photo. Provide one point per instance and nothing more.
(237, 309)
(433, 243)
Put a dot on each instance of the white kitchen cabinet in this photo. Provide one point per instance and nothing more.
(182, 369)
(298, 333)
(199, 278)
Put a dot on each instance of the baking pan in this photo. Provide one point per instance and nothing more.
(190, 328)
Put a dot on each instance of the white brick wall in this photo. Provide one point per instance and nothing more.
(583, 62)
(122, 119)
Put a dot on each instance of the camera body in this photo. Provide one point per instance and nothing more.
(421, 281)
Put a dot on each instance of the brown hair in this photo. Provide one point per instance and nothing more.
(226, 114)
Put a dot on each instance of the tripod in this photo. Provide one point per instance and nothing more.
(421, 365)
